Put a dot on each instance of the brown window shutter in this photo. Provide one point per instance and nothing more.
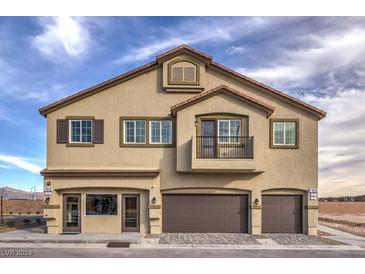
(62, 131)
(98, 132)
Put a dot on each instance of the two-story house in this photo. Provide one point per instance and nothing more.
(181, 144)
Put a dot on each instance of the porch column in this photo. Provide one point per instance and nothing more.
(312, 211)
(256, 212)
(155, 208)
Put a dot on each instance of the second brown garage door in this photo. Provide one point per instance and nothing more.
(282, 214)
(205, 213)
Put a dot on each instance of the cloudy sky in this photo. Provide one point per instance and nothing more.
(319, 60)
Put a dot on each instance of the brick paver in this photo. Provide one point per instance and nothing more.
(208, 238)
(301, 239)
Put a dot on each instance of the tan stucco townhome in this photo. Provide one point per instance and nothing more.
(181, 144)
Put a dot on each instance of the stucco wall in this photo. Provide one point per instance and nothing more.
(144, 97)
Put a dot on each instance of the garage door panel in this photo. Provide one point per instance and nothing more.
(282, 214)
(207, 213)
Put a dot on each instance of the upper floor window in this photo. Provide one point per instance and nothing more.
(80, 131)
(183, 72)
(229, 131)
(134, 131)
(161, 132)
(147, 131)
(284, 133)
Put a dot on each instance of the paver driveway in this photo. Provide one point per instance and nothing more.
(242, 239)
(208, 238)
(300, 239)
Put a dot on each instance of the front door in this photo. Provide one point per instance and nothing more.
(71, 213)
(130, 213)
(208, 139)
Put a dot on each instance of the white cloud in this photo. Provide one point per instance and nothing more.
(20, 162)
(211, 31)
(236, 50)
(325, 54)
(62, 36)
(341, 143)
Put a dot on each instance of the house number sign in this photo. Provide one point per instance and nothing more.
(313, 193)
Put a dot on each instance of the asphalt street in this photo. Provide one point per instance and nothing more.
(174, 253)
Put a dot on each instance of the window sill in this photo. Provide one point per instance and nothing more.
(79, 145)
(284, 146)
(148, 145)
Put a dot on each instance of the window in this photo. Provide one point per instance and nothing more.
(101, 204)
(80, 131)
(134, 131)
(183, 72)
(229, 131)
(284, 133)
(161, 132)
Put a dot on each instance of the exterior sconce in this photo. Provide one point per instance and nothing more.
(153, 201)
(256, 201)
(196, 123)
(47, 200)
(48, 183)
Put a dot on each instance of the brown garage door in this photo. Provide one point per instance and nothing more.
(205, 213)
(282, 214)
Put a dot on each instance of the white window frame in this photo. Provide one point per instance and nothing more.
(150, 132)
(229, 132)
(284, 138)
(70, 131)
(135, 131)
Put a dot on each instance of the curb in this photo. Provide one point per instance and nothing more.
(247, 247)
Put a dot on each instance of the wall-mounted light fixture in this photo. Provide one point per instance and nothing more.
(47, 200)
(196, 123)
(256, 201)
(48, 183)
(153, 201)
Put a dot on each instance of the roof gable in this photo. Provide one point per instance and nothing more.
(166, 56)
(218, 90)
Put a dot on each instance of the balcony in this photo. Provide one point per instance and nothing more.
(233, 147)
(223, 154)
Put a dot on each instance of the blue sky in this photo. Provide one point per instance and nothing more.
(321, 60)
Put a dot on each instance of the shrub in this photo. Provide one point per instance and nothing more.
(26, 222)
(19, 213)
(28, 212)
(10, 223)
(38, 220)
(38, 213)
(10, 212)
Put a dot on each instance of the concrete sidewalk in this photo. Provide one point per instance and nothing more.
(33, 235)
(343, 236)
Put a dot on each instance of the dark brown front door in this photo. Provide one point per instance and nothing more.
(130, 213)
(205, 213)
(282, 214)
(208, 141)
(71, 213)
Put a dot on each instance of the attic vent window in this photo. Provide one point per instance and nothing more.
(183, 72)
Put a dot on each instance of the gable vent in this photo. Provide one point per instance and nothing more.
(177, 74)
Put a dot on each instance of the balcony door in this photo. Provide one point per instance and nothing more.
(208, 141)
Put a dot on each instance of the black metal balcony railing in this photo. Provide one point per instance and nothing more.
(233, 147)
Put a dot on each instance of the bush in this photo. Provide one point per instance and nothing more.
(28, 212)
(26, 222)
(38, 220)
(10, 224)
(19, 213)
(38, 213)
(10, 212)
